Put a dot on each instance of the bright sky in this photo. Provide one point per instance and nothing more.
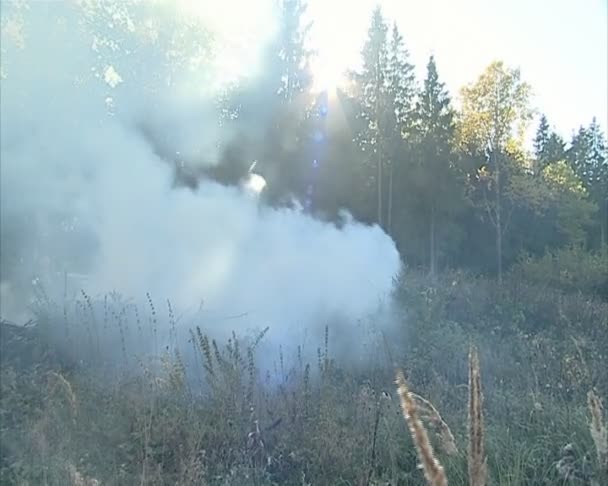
(561, 46)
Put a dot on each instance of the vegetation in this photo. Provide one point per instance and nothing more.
(207, 413)
(505, 253)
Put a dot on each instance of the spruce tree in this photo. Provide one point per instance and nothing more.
(549, 147)
(373, 100)
(436, 181)
(401, 92)
(588, 156)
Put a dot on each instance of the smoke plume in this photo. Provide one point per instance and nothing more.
(94, 104)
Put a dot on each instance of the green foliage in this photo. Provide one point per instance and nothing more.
(383, 94)
(495, 108)
(562, 178)
(324, 422)
(432, 191)
(372, 78)
(588, 155)
(400, 82)
(571, 269)
(374, 108)
(495, 112)
(549, 147)
(573, 209)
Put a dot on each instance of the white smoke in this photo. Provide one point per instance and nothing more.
(83, 191)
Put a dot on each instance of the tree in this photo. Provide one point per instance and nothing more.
(541, 139)
(292, 52)
(372, 95)
(436, 180)
(401, 82)
(269, 113)
(401, 91)
(569, 196)
(549, 147)
(588, 156)
(385, 92)
(495, 110)
(555, 150)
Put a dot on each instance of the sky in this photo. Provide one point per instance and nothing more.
(561, 46)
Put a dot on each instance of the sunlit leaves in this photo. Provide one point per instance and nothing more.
(495, 108)
(569, 196)
(562, 177)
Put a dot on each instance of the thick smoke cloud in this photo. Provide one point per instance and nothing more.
(88, 199)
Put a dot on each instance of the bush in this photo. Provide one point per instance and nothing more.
(570, 269)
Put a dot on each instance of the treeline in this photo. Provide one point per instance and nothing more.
(455, 188)
(453, 184)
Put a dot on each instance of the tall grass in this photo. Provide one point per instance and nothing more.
(476, 459)
(599, 434)
(478, 473)
(207, 412)
(433, 470)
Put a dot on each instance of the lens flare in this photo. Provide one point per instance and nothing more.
(255, 183)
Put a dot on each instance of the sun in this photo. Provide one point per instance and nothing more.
(327, 76)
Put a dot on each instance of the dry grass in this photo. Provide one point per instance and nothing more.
(215, 418)
(430, 415)
(599, 432)
(478, 473)
(79, 479)
(433, 471)
(415, 408)
(61, 389)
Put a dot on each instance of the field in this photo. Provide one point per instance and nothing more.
(210, 414)
(296, 242)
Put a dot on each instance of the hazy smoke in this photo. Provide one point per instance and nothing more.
(85, 190)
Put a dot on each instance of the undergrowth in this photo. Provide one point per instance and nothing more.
(204, 411)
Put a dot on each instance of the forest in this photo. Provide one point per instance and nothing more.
(397, 283)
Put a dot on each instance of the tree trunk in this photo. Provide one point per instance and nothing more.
(378, 139)
(604, 230)
(389, 215)
(498, 217)
(379, 176)
(432, 244)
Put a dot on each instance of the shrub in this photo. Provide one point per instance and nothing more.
(570, 269)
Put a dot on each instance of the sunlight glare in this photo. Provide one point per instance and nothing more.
(326, 77)
(239, 28)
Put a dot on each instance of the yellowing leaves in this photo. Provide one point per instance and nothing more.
(495, 108)
(561, 176)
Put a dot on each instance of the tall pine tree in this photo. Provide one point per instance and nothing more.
(401, 91)
(374, 103)
(401, 80)
(293, 54)
(438, 188)
(549, 147)
(588, 156)
(269, 113)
